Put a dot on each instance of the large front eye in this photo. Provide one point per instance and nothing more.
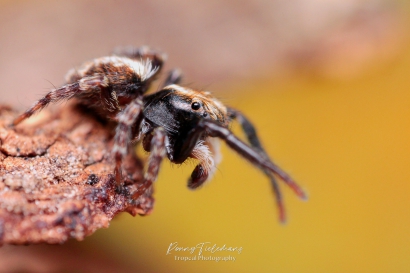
(195, 105)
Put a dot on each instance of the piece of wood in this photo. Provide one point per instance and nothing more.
(56, 177)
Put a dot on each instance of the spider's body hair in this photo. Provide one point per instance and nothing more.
(122, 79)
(118, 69)
(208, 154)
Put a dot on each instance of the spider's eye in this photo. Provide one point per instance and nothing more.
(195, 105)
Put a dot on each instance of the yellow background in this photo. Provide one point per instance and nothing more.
(346, 142)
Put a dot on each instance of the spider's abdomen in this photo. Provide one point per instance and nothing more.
(110, 83)
(114, 67)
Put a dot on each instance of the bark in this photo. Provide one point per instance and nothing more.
(56, 177)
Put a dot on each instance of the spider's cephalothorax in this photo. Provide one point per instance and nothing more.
(176, 122)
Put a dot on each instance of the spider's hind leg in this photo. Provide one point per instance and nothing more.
(174, 77)
(66, 92)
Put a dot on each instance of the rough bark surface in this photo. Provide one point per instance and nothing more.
(56, 177)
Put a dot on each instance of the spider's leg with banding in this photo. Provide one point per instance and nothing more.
(157, 153)
(126, 120)
(90, 84)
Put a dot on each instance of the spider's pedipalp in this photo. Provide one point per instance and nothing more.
(208, 154)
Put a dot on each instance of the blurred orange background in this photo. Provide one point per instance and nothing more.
(325, 82)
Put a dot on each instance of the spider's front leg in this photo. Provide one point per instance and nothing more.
(66, 92)
(253, 139)
(216, 130)
(255, 155)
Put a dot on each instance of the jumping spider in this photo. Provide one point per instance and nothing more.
(176, 122)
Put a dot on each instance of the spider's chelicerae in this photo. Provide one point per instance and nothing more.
(176, 122)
